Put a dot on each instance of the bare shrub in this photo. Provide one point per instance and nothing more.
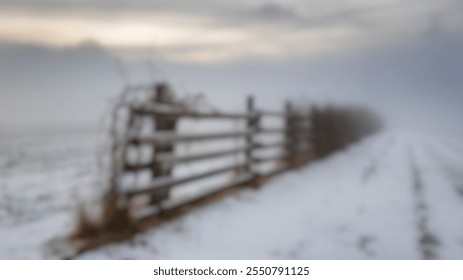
(333, 128)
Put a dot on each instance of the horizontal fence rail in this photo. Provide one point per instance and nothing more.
(170, 182)
(167, 112)
(168, 139)
(188, 114)
(269, 145)
(170, 159)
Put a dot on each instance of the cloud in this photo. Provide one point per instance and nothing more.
(417, 79)
(210, 31)
(273, 11)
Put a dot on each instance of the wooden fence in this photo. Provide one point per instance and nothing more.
(164, 137)
(303, 135)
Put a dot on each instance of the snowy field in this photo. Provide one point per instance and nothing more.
(396, 195)
(43, 178)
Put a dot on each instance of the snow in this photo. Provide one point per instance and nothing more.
(357, 204)
(44, 177)
(376, 199)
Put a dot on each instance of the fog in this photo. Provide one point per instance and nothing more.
(417, 82)
(62, 61)
(349, 189)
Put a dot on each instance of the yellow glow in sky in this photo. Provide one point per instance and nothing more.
(111, 32)
(179, 38)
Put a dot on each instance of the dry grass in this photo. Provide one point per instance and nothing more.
(114, 218)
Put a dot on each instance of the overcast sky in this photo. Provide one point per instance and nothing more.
(217, 31)
(302, 48)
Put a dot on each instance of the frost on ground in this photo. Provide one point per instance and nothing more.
(395, 195)
(385, 198)
(44, 177)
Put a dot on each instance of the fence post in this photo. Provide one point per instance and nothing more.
(290, 135)
(163, 124)
(252, 127)
(308, 139)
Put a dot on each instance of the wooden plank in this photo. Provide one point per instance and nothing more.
(166, 139)
(252, 125)
(153, 109)
(162, 124)
(170, 182)
(269, 145)
(157, 111)
(169, 159)
(266, 113)
(290, 139)
(271, 158)
(294, 129)
(271, 130)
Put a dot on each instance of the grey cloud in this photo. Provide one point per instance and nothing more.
(309, 15)
(273, 11)
(435, 26)
(220, 12)
(113, 5)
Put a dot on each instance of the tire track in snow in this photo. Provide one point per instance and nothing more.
(372, 168)
(427, 241)
(448, 166)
